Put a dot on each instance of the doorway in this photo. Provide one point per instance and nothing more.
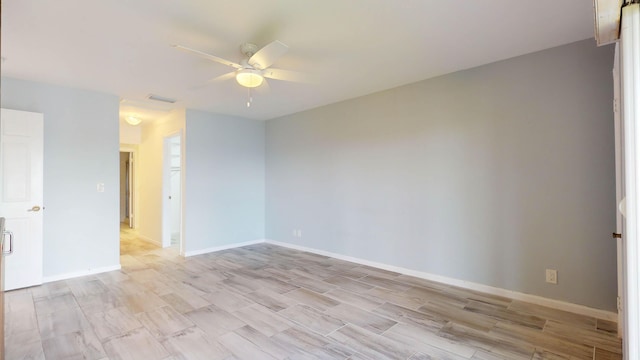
(127, 217)
(172, 189)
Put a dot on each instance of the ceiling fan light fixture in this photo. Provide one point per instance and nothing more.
(249, 78)
(132, 120)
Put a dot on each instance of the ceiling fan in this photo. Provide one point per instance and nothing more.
(255, 67)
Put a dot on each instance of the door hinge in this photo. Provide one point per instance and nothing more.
(619, 304)
(615, 105)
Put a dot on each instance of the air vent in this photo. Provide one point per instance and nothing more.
(161, 98)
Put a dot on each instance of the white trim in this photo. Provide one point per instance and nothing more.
(630, 51)
(183, 189)
(534, 299)
(223, 247)
(620, 186)
(76, 274)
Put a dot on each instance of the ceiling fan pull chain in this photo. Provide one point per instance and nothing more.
(250, 98)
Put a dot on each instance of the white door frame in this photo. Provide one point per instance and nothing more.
(630, 56)
(620, 183)
(166, 190)
(131, 185)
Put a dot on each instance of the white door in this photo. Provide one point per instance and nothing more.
(172, 181)
(21, 164)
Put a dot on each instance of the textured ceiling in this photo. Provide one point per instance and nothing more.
(346, 48)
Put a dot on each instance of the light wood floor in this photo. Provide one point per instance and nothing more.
(268, 302)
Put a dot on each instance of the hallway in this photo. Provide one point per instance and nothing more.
(130, 244)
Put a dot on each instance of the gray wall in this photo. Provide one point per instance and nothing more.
(225, 177)
(80, 150)
(488, 175)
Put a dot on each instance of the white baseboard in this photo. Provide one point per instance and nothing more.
(223, 247)
(76, 274)
(534, 299)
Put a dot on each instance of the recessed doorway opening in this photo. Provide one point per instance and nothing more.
(127, 216)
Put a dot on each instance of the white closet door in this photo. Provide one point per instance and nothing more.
(21, 168)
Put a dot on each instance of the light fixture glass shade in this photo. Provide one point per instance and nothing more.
(249, 78)
(132, 120)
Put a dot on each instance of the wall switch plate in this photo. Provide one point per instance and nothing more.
(100, 187)
(552, 276)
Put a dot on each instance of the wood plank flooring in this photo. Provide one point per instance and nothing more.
(269, 302)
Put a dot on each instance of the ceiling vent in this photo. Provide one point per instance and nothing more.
(161, 98)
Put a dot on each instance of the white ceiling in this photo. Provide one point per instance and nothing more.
(349, 47)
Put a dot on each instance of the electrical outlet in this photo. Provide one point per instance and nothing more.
(295, 233)
(299, 233)
(552, 276)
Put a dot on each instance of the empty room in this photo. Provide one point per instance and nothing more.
(295, 179)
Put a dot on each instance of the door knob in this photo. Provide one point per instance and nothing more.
(35, 208)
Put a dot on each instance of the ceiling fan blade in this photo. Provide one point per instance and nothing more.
(216, 79)
(223, 77)
(285, 75)
(208, 56)
(266, 56)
